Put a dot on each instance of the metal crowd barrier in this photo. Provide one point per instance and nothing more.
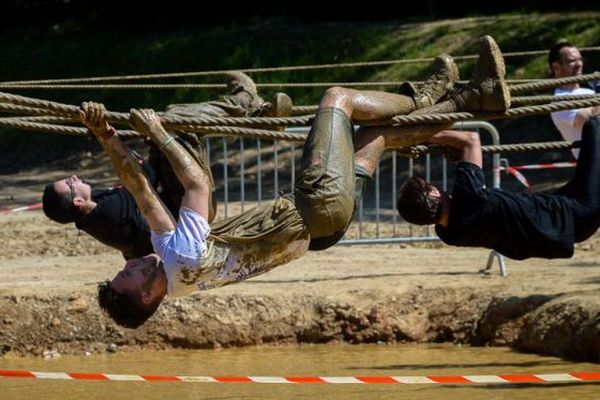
(250, 171)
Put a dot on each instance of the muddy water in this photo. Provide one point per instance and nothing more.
(342, 360)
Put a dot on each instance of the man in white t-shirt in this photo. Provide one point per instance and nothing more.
(564, 60)
(190, 255)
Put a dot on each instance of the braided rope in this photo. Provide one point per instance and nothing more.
(16, 109)
(153, 86)
(54, 108)
(247, 133)
(304, 110)
(36, 124)
(516, 101)
(510, 113)
(50, 128)
(552, 83)
(38, 119)
(170, 122)
(418, 150)
(174, 122)
(261, 134)
(276, 69)
(203, 124)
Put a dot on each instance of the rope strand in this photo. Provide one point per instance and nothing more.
(272, 69)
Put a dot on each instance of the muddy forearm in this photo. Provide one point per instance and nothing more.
(125, 165)
(186, 168)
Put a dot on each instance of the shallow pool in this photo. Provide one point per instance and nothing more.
(313, 360)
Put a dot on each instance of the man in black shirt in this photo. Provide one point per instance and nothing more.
(112, 216)
(517, 225)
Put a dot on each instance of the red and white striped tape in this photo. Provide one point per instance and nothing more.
(514, 171)
(430, 379)
(519, 176)
(25, 208)
(564, 164)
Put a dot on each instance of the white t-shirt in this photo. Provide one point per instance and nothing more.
(182, 250)
(194, 261)
(563, 120)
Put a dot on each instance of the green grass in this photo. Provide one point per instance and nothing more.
(81, 49)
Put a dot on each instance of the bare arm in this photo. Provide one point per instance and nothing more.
(193, 179)
(467, 143)
(127, 168)
(584, 115)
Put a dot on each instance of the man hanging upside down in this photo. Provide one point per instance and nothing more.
(190, 255)
(517, 225)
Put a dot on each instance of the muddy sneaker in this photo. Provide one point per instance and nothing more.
(487, 90)
(440, 82)
(242, 91)
(280, 106)
(437, 85)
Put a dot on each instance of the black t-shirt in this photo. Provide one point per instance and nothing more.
(517, 225)
(117, 222)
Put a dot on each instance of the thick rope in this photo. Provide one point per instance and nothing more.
(202, 124)
(39, 119)
(552, 83)
(49, 128)
(275, 69)
(515, 101)
(170, 122)
(413, 151)
(304, 110)
(170, 86)
(510, 113)
(416, 151)
(29, 123)
(54, 108)
(247, 133)
(523, 100)
(16, 109)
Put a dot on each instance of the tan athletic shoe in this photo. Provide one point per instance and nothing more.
(243, 92)
(487, 90)
(440, 82)
(280, 106)
(238, 81)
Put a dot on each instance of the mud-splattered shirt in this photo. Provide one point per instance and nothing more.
(236, 249)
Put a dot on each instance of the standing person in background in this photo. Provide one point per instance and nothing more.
(564, 60)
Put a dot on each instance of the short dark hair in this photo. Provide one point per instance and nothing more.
(126, 309)
(554, 53)
(415, 204)
(57, 206)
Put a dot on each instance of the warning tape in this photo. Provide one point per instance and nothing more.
(514, 170)
(564, 164)
(25, 208)
(430, 379)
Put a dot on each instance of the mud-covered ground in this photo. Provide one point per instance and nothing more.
(423, 292)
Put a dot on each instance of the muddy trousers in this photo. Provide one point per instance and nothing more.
(326, 186)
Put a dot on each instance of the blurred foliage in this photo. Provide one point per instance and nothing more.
(89, 47)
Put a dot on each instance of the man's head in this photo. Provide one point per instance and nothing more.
(66, 200)
(135, 292)
(420, 203)
(564, 60)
